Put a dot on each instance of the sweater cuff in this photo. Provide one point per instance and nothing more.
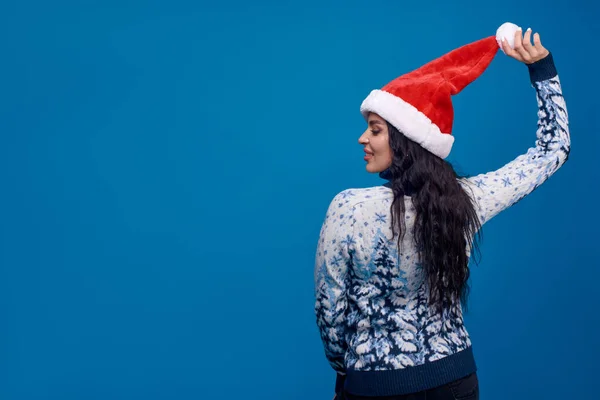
(339, 383)
(543, 69)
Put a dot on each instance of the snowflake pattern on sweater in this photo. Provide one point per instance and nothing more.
(372, 298)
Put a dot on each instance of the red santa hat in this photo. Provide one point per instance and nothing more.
(419, 103)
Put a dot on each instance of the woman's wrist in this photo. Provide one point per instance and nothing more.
(543, 69)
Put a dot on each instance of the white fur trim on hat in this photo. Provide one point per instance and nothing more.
(407, 119)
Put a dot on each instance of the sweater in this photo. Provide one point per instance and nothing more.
(371, 299)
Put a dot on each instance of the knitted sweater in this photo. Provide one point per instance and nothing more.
(372, 300)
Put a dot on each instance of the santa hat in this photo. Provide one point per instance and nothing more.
(419, 103)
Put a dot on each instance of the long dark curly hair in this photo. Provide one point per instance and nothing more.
(446, 222)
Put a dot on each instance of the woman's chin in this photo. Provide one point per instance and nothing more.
(372, 169)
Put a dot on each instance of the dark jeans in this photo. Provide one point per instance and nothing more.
(466, 388)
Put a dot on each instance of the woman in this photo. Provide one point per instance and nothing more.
(392, 261)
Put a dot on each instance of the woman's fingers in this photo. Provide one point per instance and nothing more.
(527, 42)
(537, 41)
(541, 50)
(523, 50)
(520, 48)
(509, 50)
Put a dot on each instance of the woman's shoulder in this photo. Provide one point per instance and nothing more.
(353, 196)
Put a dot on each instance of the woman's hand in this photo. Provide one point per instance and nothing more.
(524, 51)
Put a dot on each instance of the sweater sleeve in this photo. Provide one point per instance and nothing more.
(497, 190)
(333, 258)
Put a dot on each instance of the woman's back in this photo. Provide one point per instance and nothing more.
(390, 325)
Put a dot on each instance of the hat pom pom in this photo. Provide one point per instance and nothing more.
(507, 31)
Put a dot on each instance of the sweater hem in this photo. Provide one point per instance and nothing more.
(411, 379)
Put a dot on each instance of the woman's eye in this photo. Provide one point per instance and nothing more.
(375, 132)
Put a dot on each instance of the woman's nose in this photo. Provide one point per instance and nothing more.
(363, 139)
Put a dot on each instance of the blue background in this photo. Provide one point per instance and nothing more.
(166, 167)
